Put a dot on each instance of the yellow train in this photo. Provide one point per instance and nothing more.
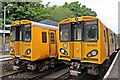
(86, 43)
(33, 45)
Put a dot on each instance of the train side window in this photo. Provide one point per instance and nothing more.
(112, 38)
(52, 38)
(44, 37)
(105, 35)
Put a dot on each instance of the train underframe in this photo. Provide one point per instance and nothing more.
(20, 64)
(94, 69)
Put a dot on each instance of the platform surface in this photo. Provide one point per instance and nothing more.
(115, 72)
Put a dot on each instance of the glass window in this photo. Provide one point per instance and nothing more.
(105, 35)
(44, 37)
(13, 33)
(90, 31)
(76, 31)
(64, 32)
(52, 38)
(112, 37)
(27, 33)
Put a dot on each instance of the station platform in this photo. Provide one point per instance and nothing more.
(114, 71)
(5, 57)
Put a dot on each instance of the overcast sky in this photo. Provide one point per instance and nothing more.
(107, 10)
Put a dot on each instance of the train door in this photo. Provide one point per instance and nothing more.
(20, 41)
(76, 34)
(108, 41)
(52, 44)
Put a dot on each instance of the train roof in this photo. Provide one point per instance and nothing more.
(49, 22)
(44, 25)
(39, 24)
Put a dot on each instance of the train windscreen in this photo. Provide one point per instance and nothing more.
(64, 32)
(27, 33)
(76, 31)
(90, 30)
(13, 33)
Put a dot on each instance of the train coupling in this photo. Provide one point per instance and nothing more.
(75, 73)
(75, 69)
(15, 67)
(31, 66)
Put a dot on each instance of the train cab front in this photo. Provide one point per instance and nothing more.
(22, 50)
(78, 43)
(14, 39)
(70, 43)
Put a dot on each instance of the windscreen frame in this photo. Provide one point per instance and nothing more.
(69, 32)
(85, 40)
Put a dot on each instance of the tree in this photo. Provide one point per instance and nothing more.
(60, 13)
(37, 11)
(79, 10)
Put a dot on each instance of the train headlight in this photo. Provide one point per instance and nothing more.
(92, 53)
(28, 51)
(11, 49)
(63, 51)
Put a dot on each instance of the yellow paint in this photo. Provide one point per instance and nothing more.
(77, 50)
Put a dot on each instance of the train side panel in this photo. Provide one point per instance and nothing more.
(111, 41)
(40, 49)
(104, 43)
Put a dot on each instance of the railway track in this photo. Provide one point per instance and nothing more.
(31, 75)
(9, 74)
(84, 75)
(35, 75)
(15, 75)
(65, 76)
(46, 73)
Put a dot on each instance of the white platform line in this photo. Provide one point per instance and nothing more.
(4, 56)
(110, 69)
(5, 59)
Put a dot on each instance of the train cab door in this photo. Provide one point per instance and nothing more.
(106, 42)
(20, 41)
(52, 44)
(76, 35)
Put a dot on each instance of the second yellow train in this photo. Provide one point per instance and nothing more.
(33, 45)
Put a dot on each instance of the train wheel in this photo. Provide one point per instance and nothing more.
(40, 67)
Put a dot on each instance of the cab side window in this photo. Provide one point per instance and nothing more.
(112, 37)
(52, 38)
(44, 37)
(105, 35)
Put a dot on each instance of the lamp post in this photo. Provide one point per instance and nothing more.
(4, 27)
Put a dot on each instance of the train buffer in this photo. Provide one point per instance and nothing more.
(114, 71)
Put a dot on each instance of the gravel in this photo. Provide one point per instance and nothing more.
(6, 66)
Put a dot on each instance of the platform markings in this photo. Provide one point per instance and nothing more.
(110, 69)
